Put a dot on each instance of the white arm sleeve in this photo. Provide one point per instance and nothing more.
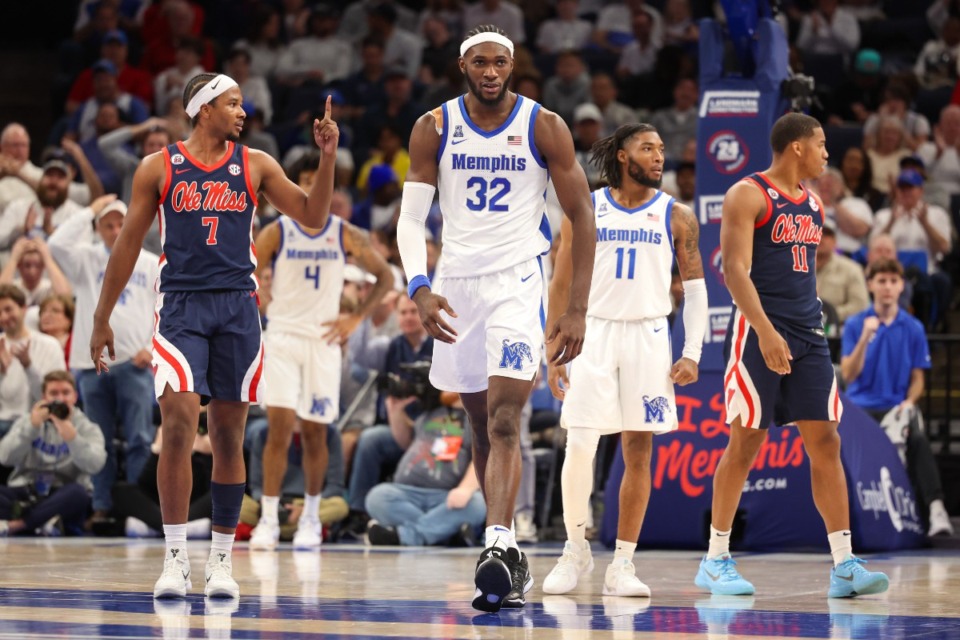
(694, 317)
(411, 239)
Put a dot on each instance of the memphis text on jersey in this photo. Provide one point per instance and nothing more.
(466, 162)
(219, 197)
(631, 236)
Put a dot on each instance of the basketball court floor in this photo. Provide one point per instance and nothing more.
(96, 588)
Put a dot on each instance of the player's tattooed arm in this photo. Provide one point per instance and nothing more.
(356, 242)
(686, 242)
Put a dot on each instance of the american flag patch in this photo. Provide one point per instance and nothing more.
(514, 140)
(653, 217)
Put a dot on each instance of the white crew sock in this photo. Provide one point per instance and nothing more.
(499, 536)
(841, 545)
(175, 536)
(269, 509)
(624, 550)
(311, 508)
(222, 542)
(719, 543)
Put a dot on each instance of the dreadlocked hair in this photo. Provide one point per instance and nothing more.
(194, 85)
(604, 151)
(484, 28)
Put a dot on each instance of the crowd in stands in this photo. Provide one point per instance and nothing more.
(886, 74)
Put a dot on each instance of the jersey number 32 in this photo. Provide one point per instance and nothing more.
(496, 189)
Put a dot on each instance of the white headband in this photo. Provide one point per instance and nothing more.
(486, 36)
(209, 92)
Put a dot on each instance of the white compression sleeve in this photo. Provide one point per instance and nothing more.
(411, 240)
(695, 312)
(576, 480)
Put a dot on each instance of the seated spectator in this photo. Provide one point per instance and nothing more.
(390, 152)
(82, 125)
(936, 65)
(840, 280)
(829, 29)
(381, 206)
(450, 12)
(254, 133)
(398, 109)
(639, 56)
(881, 247)
(614, 29)
(941, 157)
(859, 96)
(603, 93)
(885, 353)
(364, 89)
(377, 450)
(165, 25)
(108, 119)
(170, 82)
(39, 215)
(677, 124)
(401, 48)
(124, 394)
(320, 56)
(440, 49)
(915, 225)
(264, 41)
(355, 25)
(851, 216)
(56, 320)
(886, 155)
(54, 449)
(587, 121)
(686, 179)
(136, 503)
(130, 79)
(19, 177)
(435, 491)
(896, 104)
(506, 15)
(37, 274)
(679, 28)
(568, 87)
(566, 32)
(857, 175)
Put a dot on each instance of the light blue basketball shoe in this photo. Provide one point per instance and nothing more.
(720, 577)
(849, 579)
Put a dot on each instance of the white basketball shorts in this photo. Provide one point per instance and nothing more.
(302, 374)
(499, 325)
(621, 380)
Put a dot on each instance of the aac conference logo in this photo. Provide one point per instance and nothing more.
(728, 152)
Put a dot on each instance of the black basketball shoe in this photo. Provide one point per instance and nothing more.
(520, 579)
(493, 579)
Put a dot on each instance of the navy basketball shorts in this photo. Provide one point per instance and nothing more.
(209, 342)
(761, 397)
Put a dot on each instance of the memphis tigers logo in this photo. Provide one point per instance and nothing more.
(514, 354)
(320, 406)
(655, 409)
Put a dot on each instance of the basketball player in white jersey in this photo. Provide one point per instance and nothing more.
(623, 381)
(488, 152)
(302, 373)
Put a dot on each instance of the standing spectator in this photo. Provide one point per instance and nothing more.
(38, 275)
(896, 104)
(885, 156)
(677, 125)
(840, 280)
(435, 491)
(941, 157)
(54, 448)
(568, 87)
(320, 56)
(130, 79)
(56, 320)
(39, 215)
(885, 353)
(123, 394)
(19, 177)
(25, 358)
(502, 13)
(400, 47)
(82, 126)
(829, 29)
(566, 32)
(603, 93)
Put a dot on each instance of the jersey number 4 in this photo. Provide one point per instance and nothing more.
(800, 258)
(498, 188)
(312, 273)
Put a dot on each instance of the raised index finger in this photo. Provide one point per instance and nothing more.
(327, 108)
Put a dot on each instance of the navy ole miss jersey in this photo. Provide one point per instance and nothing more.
(206, 222)
(785, 240)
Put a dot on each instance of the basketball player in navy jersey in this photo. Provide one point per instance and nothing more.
(779, 369)
(489, 151)
(207, 344)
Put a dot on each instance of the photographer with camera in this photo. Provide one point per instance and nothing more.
(54, 449)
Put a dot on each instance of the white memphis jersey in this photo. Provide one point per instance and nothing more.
(307, 278)
(631, 272)
(492, 191)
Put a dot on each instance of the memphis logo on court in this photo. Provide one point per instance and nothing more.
(655, 409)
(514, 354)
